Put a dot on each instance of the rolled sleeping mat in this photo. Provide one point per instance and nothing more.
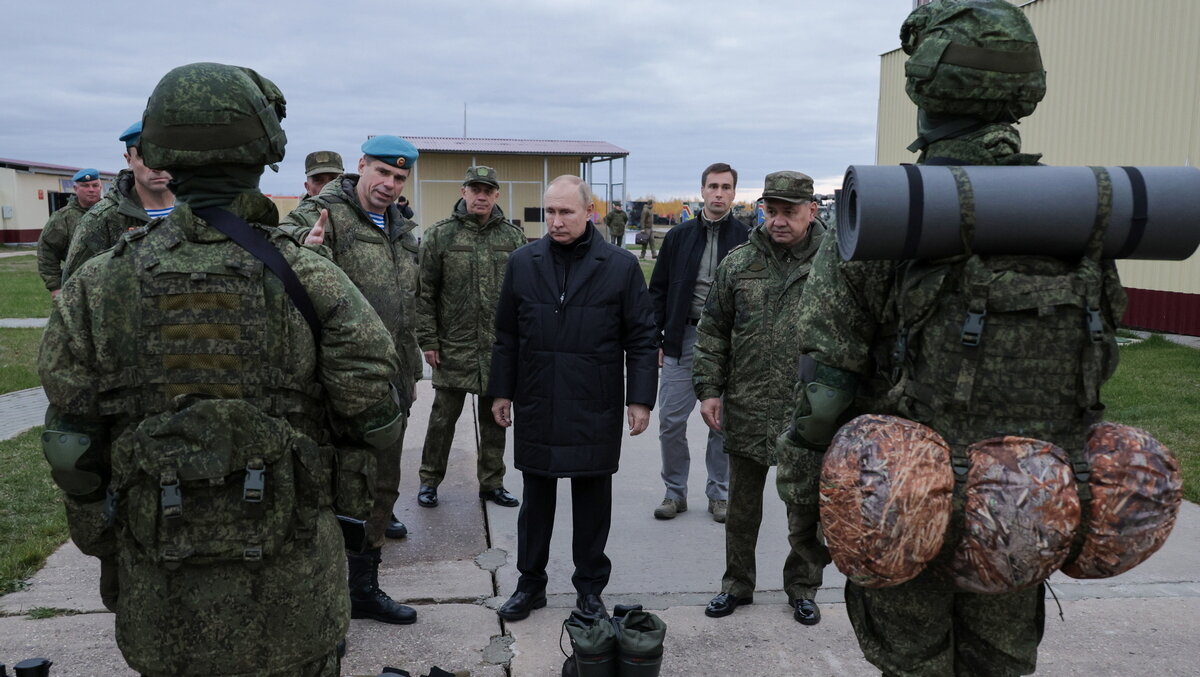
(1019, 518)
(1136, 490)
(886, 499)
(915, 211)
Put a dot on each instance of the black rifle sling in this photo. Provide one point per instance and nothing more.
(236, 229)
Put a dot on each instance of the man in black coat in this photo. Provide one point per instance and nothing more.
(686, 268)
(573, 310)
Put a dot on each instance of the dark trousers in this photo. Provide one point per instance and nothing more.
(591, 513)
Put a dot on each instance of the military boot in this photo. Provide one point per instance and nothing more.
(594, 640)
(366, 599)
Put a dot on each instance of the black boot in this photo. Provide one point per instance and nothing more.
(366, 599)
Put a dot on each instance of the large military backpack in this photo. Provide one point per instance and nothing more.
(1000, 359)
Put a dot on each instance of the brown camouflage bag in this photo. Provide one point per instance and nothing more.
(886, 488)
(1136, 490)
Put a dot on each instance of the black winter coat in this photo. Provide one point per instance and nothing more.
(559, 355)
(674, 278)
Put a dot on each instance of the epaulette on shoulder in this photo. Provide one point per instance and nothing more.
(131, 237)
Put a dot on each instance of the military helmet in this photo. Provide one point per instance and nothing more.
(213, 114)
(976, 58)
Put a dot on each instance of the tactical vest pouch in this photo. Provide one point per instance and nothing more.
(1136, 491)
(886, 487)
(216, 480)
(355, 489)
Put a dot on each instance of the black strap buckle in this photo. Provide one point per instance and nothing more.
(972, 329)
(961, 465)
(172, 500)
(255, 485)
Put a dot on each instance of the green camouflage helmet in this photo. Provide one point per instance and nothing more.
(975, 58)
(212, 114)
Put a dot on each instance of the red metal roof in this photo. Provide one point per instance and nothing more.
(453, 144)
(26, 164)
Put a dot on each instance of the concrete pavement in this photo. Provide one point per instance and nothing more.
(458, 565)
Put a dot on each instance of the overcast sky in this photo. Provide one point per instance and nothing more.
(679, 84)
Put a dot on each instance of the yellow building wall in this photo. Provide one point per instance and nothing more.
(1122, 89)
(19, 190)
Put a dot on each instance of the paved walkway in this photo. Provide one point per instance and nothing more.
(458, 565)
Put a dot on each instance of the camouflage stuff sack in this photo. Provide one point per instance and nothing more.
(1019, 516)
(216, 481)
(974, 58)
(886, 489)
(1136, 490)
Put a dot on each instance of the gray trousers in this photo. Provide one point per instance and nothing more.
(676, 400)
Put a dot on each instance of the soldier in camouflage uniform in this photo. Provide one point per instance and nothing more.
(615, 221)
(188, 399)
(850, 329)
(647, 228)
(462, 267)
(356, 217)
(56, 235)
(138, 195)
(745, 353)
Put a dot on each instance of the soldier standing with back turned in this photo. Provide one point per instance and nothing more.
(462, 267)
(190, 404)
(974, 70)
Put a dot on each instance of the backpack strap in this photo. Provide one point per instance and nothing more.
(236, 229)
(1137, 224)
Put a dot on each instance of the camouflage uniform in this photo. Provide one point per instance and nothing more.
(647, 227)
(615, 221)
(383, 265)
(55, 240)
(746, 352)
(118, 212)
(461, 269)
(108, 364)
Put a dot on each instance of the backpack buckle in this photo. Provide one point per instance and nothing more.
(172, 500)
(255, 484)
(899, 352)
(972, 329)
(1095, 325)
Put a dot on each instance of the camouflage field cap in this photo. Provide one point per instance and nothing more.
(788, 186)
(206, 114)
(323, 162)
(481, 174)
(976, 58)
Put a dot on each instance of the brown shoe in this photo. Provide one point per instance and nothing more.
(719, 509)
(669, 508)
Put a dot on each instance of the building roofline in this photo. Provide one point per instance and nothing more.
(458, 144)
(28, 165)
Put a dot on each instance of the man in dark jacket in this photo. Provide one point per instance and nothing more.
(686, 268)
(573, 309)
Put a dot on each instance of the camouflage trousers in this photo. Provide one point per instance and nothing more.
(447, 407)
(802, 569)
(924, 628)
(325, 666)
(387, 489)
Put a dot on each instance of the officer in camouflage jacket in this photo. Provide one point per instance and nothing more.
(55, 238)
(355, 216)
(461, 269)
(743, 371)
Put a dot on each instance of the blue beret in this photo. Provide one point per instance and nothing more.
(393, 150)
(132, 135)
(85, 175)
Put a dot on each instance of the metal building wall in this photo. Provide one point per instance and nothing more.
(1122, 89)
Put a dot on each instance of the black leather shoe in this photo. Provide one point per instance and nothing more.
(395, 529)
(591, 605)
(427, 496)
(521, 604)
(725, 604)
(500, 496)
(807, 612)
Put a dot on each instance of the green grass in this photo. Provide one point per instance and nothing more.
(1157, 388)
(32, 520)
(24, 293)
(18, 358)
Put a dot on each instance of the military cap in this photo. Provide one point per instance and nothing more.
(132, 135)
(86, 175)
(481, 174)
(323, 162)
(393, 150)
(788, 186)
